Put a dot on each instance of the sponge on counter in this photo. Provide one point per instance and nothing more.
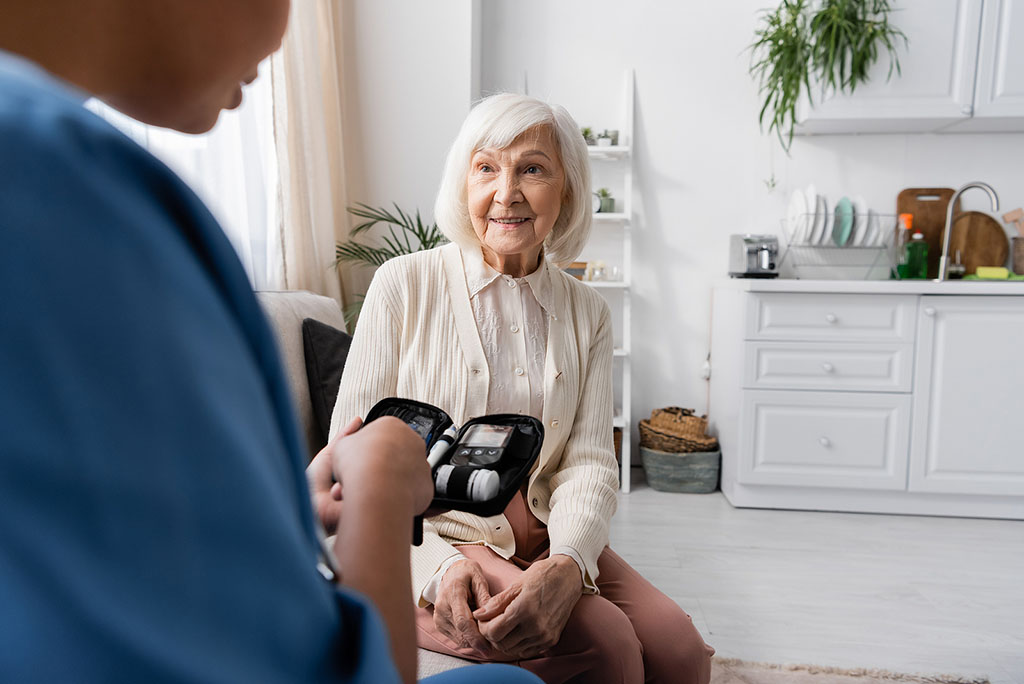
(992, 272)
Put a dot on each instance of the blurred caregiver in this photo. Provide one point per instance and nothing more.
(489, 324)
(155, 523)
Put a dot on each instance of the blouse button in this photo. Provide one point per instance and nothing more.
(519, 371)
(514, 328)
(535, 502)
(554, 423)
(511, 283)
(476, 371)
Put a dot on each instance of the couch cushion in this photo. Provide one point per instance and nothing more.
(326, 349)
(286, 311)
(429, 663)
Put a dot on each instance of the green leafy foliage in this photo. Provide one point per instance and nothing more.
(847, 35)
(835, 45)
(782, 64)
(413, 235)
(404, 234)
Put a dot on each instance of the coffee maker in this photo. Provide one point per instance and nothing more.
(754, 256)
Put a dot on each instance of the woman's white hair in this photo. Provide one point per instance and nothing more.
(495, 122)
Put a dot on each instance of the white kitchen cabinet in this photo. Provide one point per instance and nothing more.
(999, 87)
(825, 439)
(960, 72)
(934, 89)
(885, 396)
(835, 366)
(967, 435)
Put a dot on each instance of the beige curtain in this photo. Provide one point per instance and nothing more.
(307, 91)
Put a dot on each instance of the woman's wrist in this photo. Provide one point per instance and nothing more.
(567, 567)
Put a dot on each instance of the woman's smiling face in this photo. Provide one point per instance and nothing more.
(514, 196)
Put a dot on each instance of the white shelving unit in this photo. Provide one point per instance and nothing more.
(611, 241)
(616, 163)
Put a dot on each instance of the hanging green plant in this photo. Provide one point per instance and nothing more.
(782, 51)
(835, 44)
(847, 35)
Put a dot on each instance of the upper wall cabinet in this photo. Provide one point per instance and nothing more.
(999, 87)
(959, 73)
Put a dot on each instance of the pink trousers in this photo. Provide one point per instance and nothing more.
(631, 633)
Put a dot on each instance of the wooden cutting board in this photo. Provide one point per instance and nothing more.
(980, 239)
(928, 205)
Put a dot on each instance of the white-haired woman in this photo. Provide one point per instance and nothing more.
(490, 324)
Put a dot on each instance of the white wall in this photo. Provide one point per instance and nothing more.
(410, 77)
(700, 160)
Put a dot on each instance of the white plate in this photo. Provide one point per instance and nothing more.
(825, 237)
(796, 217)
(860, 221)
(873, 232)
(811, 194)
(817, 220)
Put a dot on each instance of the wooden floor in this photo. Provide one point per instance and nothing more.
(903, 593)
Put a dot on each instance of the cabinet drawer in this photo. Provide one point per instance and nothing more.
(797, 316)
(853, 440)
(829, 366)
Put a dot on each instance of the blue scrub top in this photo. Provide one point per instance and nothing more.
(155, 523)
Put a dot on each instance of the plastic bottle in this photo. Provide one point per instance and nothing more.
(917, 257)
(902, 241)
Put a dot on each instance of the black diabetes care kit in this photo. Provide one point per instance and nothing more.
(476, 468)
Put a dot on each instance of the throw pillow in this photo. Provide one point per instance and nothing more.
(325, 349)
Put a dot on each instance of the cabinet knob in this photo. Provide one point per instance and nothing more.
(929, 311)
(967, 110)
(831, 318)
(825, 442)
(827, 367)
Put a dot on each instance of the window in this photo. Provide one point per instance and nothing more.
(233, 169)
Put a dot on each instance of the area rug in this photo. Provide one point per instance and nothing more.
(731, 671)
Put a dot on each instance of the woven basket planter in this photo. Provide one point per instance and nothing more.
(676, 430)
(691, 473)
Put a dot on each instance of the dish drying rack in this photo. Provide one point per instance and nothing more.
(829, 261)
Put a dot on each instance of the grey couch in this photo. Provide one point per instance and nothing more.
(286, 311)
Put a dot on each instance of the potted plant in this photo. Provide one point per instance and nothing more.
(588, 134)
(832, 43)
(604, 139)
(412, 236)
(606, 203)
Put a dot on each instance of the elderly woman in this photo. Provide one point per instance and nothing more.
(489, 324)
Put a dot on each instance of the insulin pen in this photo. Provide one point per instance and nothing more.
(433, 458)
(441, 446)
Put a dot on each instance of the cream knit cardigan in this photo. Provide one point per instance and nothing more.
(417, 339)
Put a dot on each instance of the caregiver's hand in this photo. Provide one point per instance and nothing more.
(325, 492)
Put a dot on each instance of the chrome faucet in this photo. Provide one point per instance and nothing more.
(947, 233)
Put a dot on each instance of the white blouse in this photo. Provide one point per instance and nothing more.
(512, 318)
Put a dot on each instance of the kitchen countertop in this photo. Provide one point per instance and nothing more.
(923, 287)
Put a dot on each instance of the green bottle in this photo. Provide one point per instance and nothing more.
(917, 257)
(902, 240)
